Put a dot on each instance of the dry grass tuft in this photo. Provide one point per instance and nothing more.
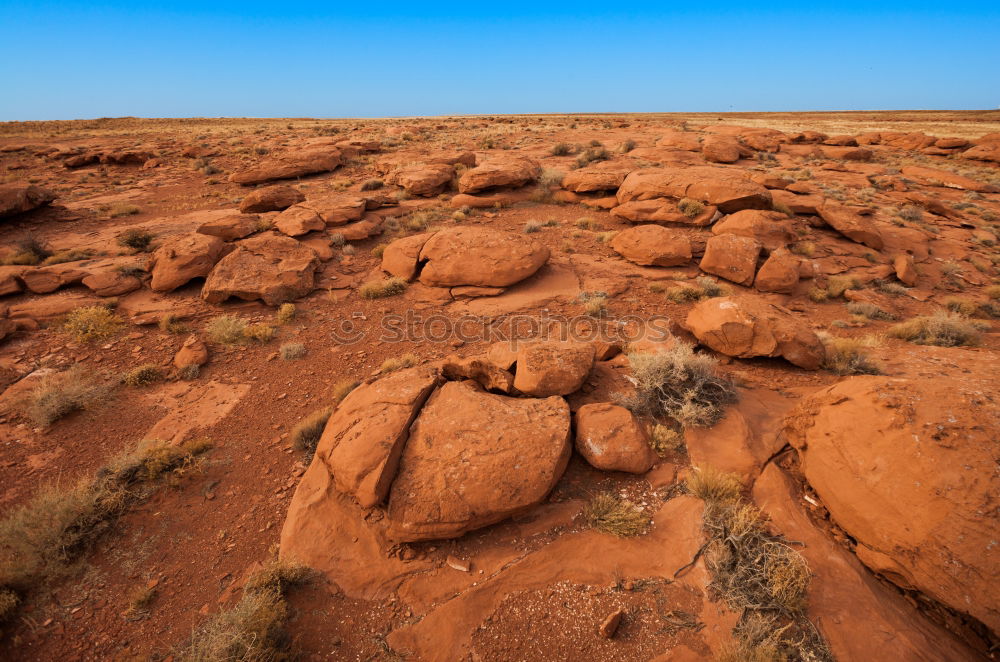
(89, 323)
(849, 356)
(714, 486)
(342, 389)
(231, 330)
(305, 435)
(398, 363)
(756, 574)
(137, 239)
(943, 329)
(253, 630)
(292, 350)
(286, 313)
(61, 393)
(690, 208)
(611, 514)
(385, 288)
(679, 383)
(869, 311)
(665, 440)
(143, 375)
(59, 524)
(837, 285)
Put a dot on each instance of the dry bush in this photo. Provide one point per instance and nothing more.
(869, 311)
(679, 383)
(690, 208)
(385, 288)
(253, 630)
(531, 227)
(665, 440)
(119, 209)
(398, 363)
(611, 514)
(89, 323)
(286, 313)
(170, 324)
(561, 149)
(713, 486)
(259, 332)
(592, 155)
(136, 238)
(26, 252)
(756, 574)
(59, 524)
(849, 356)
(993, 291)
(803, 248)
(61, 393)
(961, 306)
(942, 328)
(292, 350)
(226, 330)
(342, 389)
(189, 372)
(143, 375)
(837, 285)
(372, 185)
(305, 435)
(138, 602)
(68, 255)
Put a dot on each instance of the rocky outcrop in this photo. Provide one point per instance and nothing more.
(474, 459)
(498, 171)
(748, 326)
(729, 190)
(653, 245)
(478, 256)
(732, 257)
(183, 257)
(21, 197)
(610, 438)
(271, 198)
(907, 467)
(852, 222)
(289, 166)
(269, 267)
(364, 438)
(424, 178)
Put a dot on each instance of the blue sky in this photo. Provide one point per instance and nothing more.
(66, 60)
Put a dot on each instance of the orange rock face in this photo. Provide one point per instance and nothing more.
(906, 467)
(475, 458)
(609, 437)
(653, 245)
(269, 267)
(474, 256)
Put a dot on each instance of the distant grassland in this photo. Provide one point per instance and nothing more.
(959, 123)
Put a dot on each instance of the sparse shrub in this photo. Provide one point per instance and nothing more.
(849, 356)
(993, 291)
(259, 332)
(869, 311)
(942, 328)
(263, 224)
(378, 250)
(136, 238)
(337, 239)
(550, 177)
(690, 207)
(531, 227)
(189, 372)
(69, 255)
(60, 523)
(123, 209)
(58, 394)
(619, 517)
(342, 389)
(561, 149)
(683, 293)
(372, 185)
(963, 307)
(348, 250)
(626, 146)
(818, 294)
(385, 288)
(837, 285)
(226, 330)
(586, 223)
(710, 287)
(803, 248)
(292, 350)
(910, 213)
(679, 383)
(892, 289)
(286, 313)
(606, 237)
(592, 155)
(138, 602)
(398, 363)
(305, 435)
(253, 630)
(664, 440)
(170, 324)
(90, 323)
(143, 375)
(27, 252)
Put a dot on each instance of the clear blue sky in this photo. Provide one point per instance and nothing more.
(66, 60)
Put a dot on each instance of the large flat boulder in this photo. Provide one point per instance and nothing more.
(908, 468)
(424, 178)
(473, 459)
(748, 326)
(183, 257)
(289, 166)
(20, 197)
(772, 229)
(729, 189)
(552, 367)
(479, 256)
(731, 256)
(269, 267)
(364, 438)
(852, 222)
(270, 198)
(498, 171)
(653, 245)
(595, 178)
